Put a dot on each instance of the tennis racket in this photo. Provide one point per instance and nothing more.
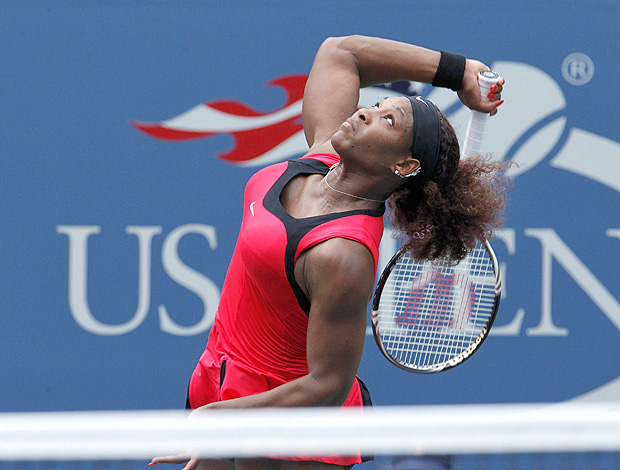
(431, 316)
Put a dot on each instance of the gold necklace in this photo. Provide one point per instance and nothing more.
(333, 167)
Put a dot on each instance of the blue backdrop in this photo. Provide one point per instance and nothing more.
(122, 188)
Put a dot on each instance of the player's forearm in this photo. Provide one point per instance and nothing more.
(382, 60)
(302, 392)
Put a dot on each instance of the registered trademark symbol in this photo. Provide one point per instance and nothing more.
(577, 69)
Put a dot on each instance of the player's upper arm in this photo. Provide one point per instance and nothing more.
(332, 91)
(338, 277)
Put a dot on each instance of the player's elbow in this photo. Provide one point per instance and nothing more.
(339, 46)
(332, 389)
(344, 42)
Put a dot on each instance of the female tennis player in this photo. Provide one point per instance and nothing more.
(291, 323)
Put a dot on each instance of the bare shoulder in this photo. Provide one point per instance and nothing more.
(338, 269)
(339, 254)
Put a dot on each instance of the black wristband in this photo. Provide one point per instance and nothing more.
(450, 71)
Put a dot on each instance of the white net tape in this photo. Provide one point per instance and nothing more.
(422, 430)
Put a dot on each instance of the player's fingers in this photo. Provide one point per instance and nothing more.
(495, 104)
(490, 107)
(192, 464)
(496, 91)
(496, 88)
(179, 458)
(495, 96)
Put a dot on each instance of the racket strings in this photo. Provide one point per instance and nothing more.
(431, 312)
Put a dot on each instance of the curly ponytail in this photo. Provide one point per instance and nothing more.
(462, 200)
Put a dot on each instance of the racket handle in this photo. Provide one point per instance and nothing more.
(472, 144)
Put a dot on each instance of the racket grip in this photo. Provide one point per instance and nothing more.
(472, 145)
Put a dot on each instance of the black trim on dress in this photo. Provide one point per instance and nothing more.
(297, 229)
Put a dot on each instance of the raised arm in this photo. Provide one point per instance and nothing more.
(344, 65)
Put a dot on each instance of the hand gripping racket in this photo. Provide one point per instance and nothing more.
(431, 316)
(478, 121)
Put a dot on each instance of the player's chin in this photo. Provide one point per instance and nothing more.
(339, 140)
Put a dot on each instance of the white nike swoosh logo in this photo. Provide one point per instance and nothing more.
(421, 101)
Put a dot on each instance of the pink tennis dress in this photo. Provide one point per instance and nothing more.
(258, 339)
